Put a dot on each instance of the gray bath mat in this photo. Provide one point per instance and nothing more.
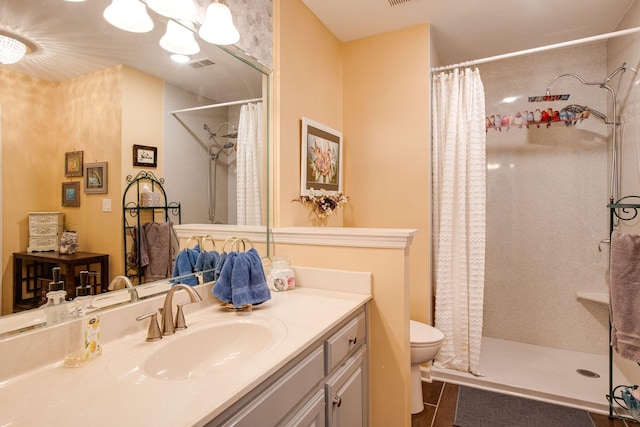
(481, 408)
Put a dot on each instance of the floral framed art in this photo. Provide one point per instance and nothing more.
(95, 178)
(73, 163)
(145, 156)
(321, 160)
(71, 194)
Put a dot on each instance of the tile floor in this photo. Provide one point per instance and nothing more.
(440, 408)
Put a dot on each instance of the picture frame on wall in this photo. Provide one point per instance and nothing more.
(95, 178)
(71, 194)
(146, 156)
(321, 161)
(73, 163)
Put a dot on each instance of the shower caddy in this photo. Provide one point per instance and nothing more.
(622, 210)
(136, 210)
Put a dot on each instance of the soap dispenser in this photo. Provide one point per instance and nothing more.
(84, 333)
(55, 306)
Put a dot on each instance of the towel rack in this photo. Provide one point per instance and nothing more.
(235, 241)
(624, 209)
(201, 240)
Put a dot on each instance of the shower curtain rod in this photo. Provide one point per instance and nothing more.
(223, 104)
(538, 49)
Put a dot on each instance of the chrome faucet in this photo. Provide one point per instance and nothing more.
(127, 284)
(168, 326)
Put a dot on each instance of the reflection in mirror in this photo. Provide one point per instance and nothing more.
(87, 86)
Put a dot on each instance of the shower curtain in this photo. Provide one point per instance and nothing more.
(459, 193)
(249, 165)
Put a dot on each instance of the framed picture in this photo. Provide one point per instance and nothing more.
(95, 178)
(71, 194)
(145, 156)
(73, 163)
(321, 161)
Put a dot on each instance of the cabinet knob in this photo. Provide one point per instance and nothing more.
(352, 340)
(337, 401)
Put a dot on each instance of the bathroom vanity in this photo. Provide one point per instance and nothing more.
(298, 359)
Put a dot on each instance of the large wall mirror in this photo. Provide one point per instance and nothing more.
(87, 86)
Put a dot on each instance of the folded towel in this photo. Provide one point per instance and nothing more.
(242, 280)
(624, 285)
(185, 264)
(206, 262)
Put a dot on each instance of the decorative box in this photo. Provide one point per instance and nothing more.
(45, 229)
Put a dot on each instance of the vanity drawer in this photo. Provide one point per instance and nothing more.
(37, 219)
(271, 406)
(344, 342)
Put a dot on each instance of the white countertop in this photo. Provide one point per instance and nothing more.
(93, 395)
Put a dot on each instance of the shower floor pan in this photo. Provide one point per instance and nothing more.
(541, 373)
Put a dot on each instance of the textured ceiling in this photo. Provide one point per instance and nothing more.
(471, 29)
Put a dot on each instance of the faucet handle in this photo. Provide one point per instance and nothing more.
(154, 333)
(181, 324)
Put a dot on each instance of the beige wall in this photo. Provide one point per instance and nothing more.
(376, 91)
(387, 144)
(100, 114)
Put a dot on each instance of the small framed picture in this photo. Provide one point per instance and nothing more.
(73, 163)
(71, 194)
(145, 156)
(95, 178)
(321, 162)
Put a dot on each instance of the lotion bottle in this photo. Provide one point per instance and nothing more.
(55, 306)
(84, 332)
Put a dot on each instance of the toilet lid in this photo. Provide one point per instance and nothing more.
(423, 333)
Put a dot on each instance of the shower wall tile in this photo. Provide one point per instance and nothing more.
(546, 205)
(254, 20)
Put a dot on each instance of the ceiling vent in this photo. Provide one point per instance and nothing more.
(399, 2)
(199, 63)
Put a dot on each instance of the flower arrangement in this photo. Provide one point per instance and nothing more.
(322, 203)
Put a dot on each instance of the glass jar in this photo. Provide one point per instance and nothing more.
(281, 276)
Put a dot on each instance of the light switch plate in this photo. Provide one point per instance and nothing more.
(106, 205)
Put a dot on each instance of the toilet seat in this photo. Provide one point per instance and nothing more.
(423, 335)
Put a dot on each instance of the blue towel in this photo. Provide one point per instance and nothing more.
(242, 280)
(218, 269)
(206, 262)
(185, 264)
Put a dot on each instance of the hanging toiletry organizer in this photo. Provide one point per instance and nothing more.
(144, 200)
(624, 209)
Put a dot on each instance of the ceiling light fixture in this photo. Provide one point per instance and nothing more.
(129, 15)
(179, 39)
(11, 50)
(176, 9)
(218, 27)
(179, 58)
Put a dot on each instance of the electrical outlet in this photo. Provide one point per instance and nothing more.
(106, 205)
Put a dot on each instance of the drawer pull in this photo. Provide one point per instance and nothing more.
(337, 401)
(352, 340)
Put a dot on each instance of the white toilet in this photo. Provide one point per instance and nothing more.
(425, 343)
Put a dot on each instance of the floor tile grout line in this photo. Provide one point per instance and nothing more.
(435, 414)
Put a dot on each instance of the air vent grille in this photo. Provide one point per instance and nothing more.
(398, 2)
(199, 63)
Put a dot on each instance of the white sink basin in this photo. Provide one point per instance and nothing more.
(217, 347)
(227, 346)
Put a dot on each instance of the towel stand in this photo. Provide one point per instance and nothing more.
(235, 241)
(201, 240)
(624, 209)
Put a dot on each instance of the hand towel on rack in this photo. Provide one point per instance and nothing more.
(206, 262)
(624, 271)
(242, 280)
(157, 236)
(185, 264)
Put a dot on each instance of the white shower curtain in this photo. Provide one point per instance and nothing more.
(249, 165)
(459, 194)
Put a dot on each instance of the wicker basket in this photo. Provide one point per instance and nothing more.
(150, 199)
